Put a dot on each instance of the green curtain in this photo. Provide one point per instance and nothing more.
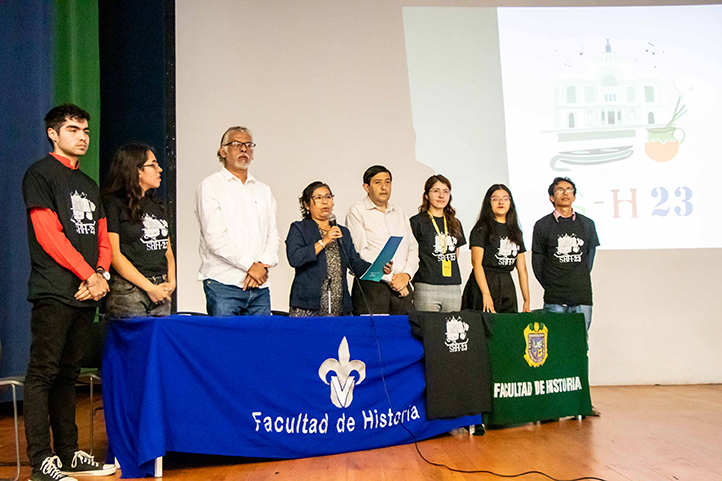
(77, 68)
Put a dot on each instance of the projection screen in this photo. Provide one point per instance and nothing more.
(624, 100)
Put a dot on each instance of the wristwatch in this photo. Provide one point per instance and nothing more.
(323, 246)
(103, 273)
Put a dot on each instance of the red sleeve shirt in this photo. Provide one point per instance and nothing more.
(105, 250)
(49, 233)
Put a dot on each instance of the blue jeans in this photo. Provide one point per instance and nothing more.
(223, 300)
(563, 308)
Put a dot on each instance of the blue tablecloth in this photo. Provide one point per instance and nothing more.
(273, 387)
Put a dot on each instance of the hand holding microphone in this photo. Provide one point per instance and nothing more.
(333, 233)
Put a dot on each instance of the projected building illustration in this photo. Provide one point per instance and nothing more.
(599, 105)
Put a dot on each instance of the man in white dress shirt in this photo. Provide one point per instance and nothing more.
(239, 238)
(371, 222)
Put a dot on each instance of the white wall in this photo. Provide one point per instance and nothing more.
(324, 87)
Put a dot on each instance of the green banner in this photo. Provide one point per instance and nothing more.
(77, 68)
(539, 367)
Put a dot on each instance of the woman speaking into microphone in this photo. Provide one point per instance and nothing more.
(321, 252)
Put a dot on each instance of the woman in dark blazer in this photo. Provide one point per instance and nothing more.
(321, 252)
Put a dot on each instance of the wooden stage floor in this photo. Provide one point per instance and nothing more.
(645, 433)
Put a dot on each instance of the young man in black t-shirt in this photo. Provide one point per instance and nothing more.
(69, 254)
(563, 248)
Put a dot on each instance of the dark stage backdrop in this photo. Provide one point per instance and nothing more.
(137, 86)
(116, 60)
(26, 83)
(136, 80)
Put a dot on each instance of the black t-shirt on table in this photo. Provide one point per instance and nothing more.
(145, 242)
(458, 378)
(564, 245)
(74, 197)
(430, 255)
(500, 252)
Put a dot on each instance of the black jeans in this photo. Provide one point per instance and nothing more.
(380, 298)
(59, 338)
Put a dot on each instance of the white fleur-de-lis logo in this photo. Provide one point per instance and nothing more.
(342, 383)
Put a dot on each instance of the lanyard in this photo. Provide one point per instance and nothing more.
(445, 263)
(446, 231)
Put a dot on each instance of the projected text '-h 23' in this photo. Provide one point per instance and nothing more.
(679, 203)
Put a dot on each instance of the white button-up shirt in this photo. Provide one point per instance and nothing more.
(238, 227)
(371, 228)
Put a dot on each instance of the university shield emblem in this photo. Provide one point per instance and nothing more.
(536, 344)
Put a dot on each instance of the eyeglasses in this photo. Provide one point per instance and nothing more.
(237, 145)
(503, 200)
(152, 164)
(440, 191)
(561, 190)
(320, 198)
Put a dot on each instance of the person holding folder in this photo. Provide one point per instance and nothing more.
(321, 252)
(372, 221)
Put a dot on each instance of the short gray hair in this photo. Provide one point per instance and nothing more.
(224, 139)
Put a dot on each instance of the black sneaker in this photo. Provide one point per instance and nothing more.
(83, 464)
(479, 430)
(50, 471)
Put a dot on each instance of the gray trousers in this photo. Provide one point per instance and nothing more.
(433, 298)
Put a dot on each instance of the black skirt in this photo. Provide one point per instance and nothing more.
(501, 287)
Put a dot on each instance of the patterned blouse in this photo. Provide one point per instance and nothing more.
(332, 288)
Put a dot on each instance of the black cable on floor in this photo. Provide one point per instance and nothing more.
(416, 441)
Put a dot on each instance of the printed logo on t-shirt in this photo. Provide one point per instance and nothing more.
(569, 248)
(82, 209)
(456, 338)
(152, 229)
(507, 252)
(450, 254)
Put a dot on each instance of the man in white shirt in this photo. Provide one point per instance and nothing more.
(371, 222)
(239, 238)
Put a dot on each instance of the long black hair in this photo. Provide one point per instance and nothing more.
(124, 181)
(486, 216)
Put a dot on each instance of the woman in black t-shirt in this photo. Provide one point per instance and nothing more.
(143, 266)
(439, 234)
(497, 247)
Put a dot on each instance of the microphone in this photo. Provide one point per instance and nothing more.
(332, 223)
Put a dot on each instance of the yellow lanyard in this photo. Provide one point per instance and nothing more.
(445, 263)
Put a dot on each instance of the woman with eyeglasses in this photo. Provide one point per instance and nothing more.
(437, 283)
(321, 252)
(143, 267)
(497, 247)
